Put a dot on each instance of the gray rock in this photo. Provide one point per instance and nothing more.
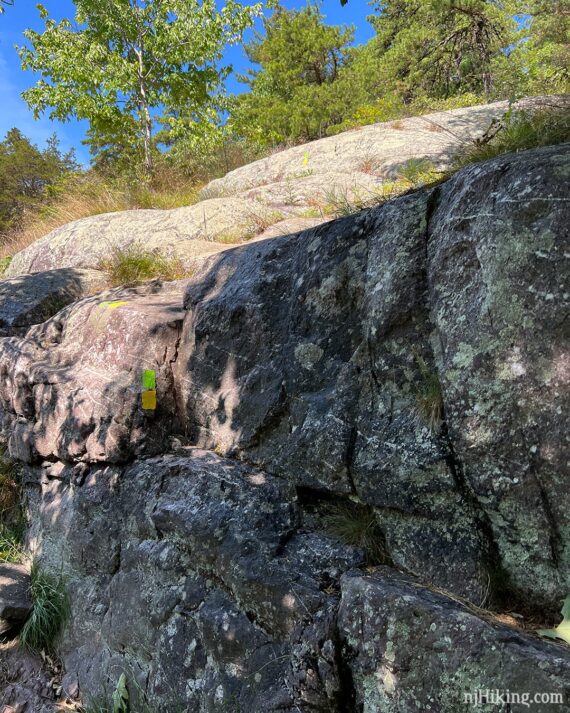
(15, 597)
(410, 358)
(310, 355)
(32, 299)
(190, 573)
(297, 184)
(408, 648)
(72, 387)
(498, 272)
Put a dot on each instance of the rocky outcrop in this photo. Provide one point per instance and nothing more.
(73, 385)
(201, 579)
(192, 575)
(408, 648)
(32, 299)
(15, 599)
(289, 190)
(410, 360)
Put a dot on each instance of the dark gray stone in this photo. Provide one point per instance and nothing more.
(32, 299)
(15, 598)
(408, 648)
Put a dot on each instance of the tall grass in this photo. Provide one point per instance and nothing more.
(355, 524)
(90, 194)
(518, 131)
(50, 610)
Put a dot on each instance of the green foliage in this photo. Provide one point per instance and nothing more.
(562, 631)
(543, 49)
(5, 263)
(120, 60)
(50, 611)
(3, 3)
(11, 542)
(135, 264)
(11, 517)
(419, 172)
(298, 92)
(121, 696)
(355, 524)
(519, 131)
(28, 175)
(440, 48)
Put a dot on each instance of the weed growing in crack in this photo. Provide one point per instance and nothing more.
(355, 524)
(429, 399)
(50, 610)
(135, 264)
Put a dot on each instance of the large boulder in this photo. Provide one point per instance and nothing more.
(32, 299)
(410, 356)
(191, 574)
(15, 597)
(408, 648)
(381, 149)
(72, 387)
(405, 367)
(312, 183)
(413, 356)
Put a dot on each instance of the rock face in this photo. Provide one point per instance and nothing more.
(411, 360)
(31, 299)
(15, 600)
(410, 649)
(204, 588)
(296, 187)
(74, 384)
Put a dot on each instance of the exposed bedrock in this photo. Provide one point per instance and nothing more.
(412, 358)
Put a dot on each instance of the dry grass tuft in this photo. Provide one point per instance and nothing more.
(135, 264)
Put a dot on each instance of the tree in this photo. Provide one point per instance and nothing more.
(27, 174)
(441, 47)
(3, 3)
(545, 45)
(123, 61)
(297, 91)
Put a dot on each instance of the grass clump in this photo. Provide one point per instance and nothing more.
(518, 131)
(50, 610)
(135, 264)
(11, 543)
(355, 524)
(429, 399)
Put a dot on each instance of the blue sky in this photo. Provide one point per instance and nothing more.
(23, 14)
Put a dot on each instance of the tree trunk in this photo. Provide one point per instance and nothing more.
(146, 119)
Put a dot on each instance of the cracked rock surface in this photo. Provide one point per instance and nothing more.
(412, 359)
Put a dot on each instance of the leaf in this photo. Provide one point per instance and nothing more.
(562, 631)
(121, 696)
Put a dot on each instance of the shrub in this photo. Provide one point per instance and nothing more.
(419, 172)
(50, 611)
(134, 264)
(11, 538)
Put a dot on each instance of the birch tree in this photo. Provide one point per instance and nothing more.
(120, 64)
